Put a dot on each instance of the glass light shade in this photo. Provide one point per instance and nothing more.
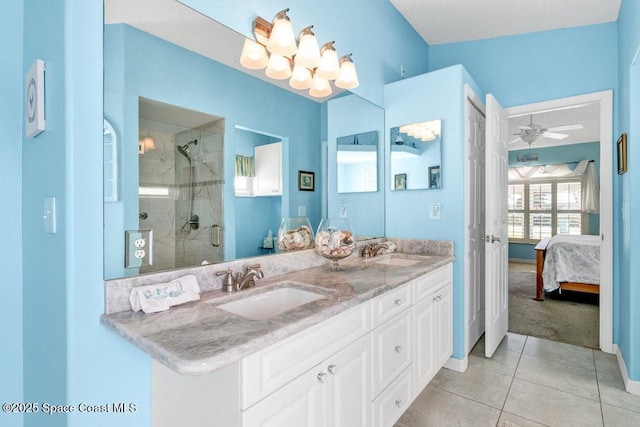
(308, 54)
(348, 78)
(300, 78)
(282, 41)
(328, 68)
(278, 67)
(254, 55)
(320, 87)
(149, 144)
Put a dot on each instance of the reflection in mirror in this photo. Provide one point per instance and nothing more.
(180, 184)
(416, 156)
(258, 190)
(358, 163)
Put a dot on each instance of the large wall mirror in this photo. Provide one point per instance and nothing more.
(153, 57)
(416, 156)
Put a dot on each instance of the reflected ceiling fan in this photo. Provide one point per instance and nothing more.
(533, 132)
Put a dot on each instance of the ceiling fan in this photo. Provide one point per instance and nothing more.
(534, 132)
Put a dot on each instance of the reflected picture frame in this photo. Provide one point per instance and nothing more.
(434, 177)
(400, 181)
(622, 153)
(306, 181)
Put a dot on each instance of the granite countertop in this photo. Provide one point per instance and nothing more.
(198, 338)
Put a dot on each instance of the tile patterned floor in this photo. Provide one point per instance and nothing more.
(528, 382)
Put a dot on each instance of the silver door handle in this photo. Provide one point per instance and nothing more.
(215, 235)
(495, 239)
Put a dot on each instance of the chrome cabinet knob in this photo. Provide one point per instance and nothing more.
(398, 349)
(322, 377)
(332, 369)
(398, 403)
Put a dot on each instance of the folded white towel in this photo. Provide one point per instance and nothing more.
(159, 297)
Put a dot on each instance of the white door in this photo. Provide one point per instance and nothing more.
(496, 243)
(475, 218)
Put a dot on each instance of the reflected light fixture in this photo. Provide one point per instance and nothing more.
(147, 143)
(275, 48)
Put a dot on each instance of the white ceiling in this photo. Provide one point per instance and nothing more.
(449, 21)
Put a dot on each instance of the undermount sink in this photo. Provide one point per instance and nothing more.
(399, 260)
(268, 304)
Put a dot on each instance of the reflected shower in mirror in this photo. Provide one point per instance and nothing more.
(358, 163)
(180, 184)
(416, 156)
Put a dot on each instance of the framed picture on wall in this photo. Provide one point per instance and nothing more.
(434, 177)
(622, 154)
(400, 181)
(306, 181)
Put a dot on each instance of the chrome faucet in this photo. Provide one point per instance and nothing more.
(250, 274)
(373, 249)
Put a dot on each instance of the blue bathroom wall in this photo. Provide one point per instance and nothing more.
(435, 95)
(138, 64)
(380, 40)
(255, 216)
(11, 118)
(625, 198)
(534, 67)
(553, 155)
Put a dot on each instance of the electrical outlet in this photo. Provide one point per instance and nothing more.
(138, 248)
(434, 211)
(343, 211)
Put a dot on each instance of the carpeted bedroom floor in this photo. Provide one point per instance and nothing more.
(571, 317)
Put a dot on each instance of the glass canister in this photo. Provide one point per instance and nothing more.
(335, 240)
(295, 234)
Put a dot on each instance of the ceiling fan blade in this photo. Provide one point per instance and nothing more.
(555, 135)
(525, 127)
(565, 128)
(515, 140)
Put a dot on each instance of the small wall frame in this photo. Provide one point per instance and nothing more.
(306, 181)
(622, 154)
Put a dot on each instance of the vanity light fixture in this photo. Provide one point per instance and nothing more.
(424, 131)
(146, 143)
(306, 65)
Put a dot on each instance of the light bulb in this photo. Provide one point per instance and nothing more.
(254, 55)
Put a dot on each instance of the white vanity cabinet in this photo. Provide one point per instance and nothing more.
(433, 315)
(268, 169)
(334, 393)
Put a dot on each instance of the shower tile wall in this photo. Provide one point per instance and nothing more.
(192, 247)
(157, 170)
(177, 245)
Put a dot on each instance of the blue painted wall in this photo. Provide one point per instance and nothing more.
(435, 95)
(629, 231)
(138, 64)
(378, 54)
(11, 117)
(552, 155)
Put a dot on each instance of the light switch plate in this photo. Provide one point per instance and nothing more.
(434, 211)
(344, 213)
(34, 99)
(138, 248)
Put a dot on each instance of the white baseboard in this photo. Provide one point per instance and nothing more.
(526, 261)
(458, 365)
(632, 386)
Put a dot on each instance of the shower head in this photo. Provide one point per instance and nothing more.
(183, 149)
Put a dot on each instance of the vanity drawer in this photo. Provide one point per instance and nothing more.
(269, 369)
(428, 283)
(391, 303)
(389, 407)
(392, 350)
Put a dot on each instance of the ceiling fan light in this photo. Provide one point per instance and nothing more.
(278, 68)
(300, 78)
(281, 40)
(308, 54)
(320, 87)
(254, 55)
(329, 67)
(348, 78)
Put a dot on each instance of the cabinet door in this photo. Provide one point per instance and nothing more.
(444, 322)
(425, 360)
(350, 381)
(268, 161)
(299, 403)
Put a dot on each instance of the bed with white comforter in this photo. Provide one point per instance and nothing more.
(571, 259)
